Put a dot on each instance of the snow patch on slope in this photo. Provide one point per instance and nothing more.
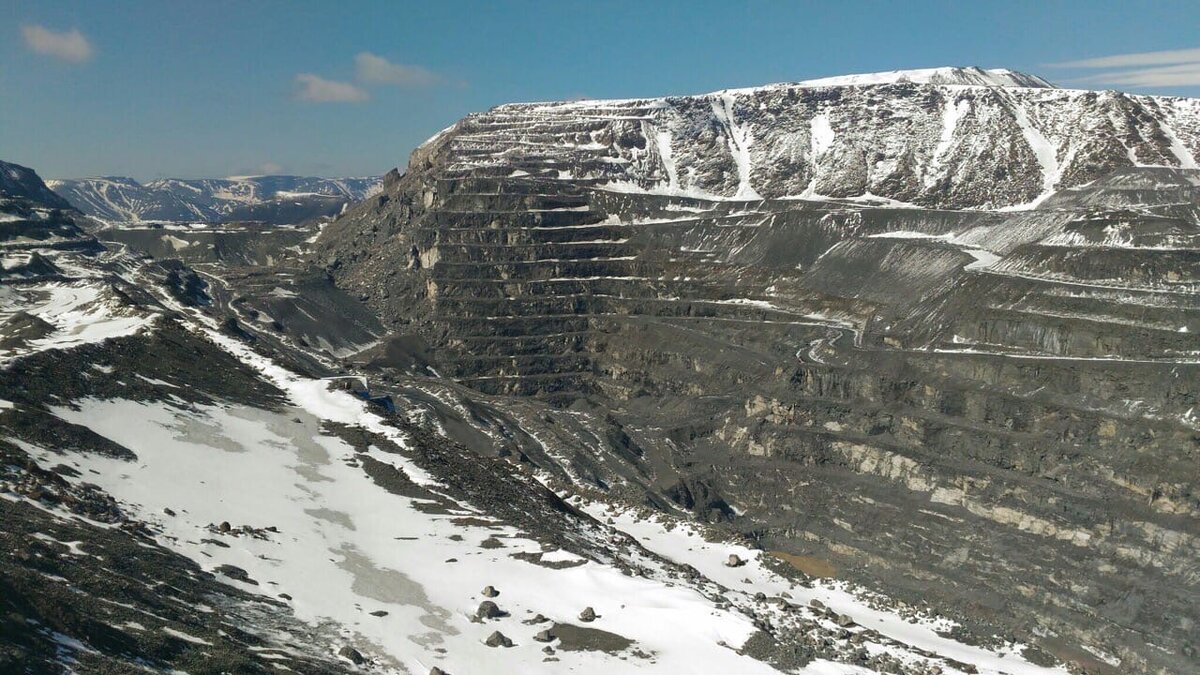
(684, 543)
(740, 137)
(952, 114)
(820, 134)
(1043, 150)
(73, 314)
(1186, 160)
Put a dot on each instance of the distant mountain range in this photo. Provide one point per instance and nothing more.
(273, 199)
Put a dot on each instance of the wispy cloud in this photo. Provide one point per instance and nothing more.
(374, 69)
(1138, 59)
(316, 89)
(370, 70)
(67, 45)
(1172, 68)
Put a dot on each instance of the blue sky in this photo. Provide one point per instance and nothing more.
(213, 88)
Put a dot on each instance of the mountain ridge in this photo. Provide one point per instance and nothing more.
(926, 144)
(271, 198)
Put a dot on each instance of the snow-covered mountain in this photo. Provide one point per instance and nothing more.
(882, 373)
(273, 199)
(943, 137)
(189, 485)
(812, 311)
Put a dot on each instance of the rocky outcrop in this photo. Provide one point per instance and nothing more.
(19, 182)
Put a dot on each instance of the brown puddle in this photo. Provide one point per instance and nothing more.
(813, 567)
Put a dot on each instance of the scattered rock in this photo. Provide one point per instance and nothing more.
(489, 610)
(225, 526)
(490, 592)
(583, 638)
(379, 612)
(544, 635)
(168, 511)
(351, 654)
(816, 604)
(236, 573)
(844, 621)
(734, 561)
(587, 615)
(498, 639)
(437, 671)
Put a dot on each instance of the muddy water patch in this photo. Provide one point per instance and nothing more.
(395, 587)
(810, 565)
(299, 429)
(330, 516)
(196, 430)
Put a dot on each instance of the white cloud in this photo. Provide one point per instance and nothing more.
(316, 89)
(1138, 59)
(1182, 75)
(378, 70)
(1173, 68)
(68, 45)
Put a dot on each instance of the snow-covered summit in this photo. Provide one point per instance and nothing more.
(965, 76)
(945, 137)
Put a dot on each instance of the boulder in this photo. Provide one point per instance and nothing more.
(498, 639)
(489, 610)
(352, 655)
(587, 615)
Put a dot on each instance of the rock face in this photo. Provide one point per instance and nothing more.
(724, 291)
(35, 224)
(269, 199)
(19, 182)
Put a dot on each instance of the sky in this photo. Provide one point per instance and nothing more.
(215, 88)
